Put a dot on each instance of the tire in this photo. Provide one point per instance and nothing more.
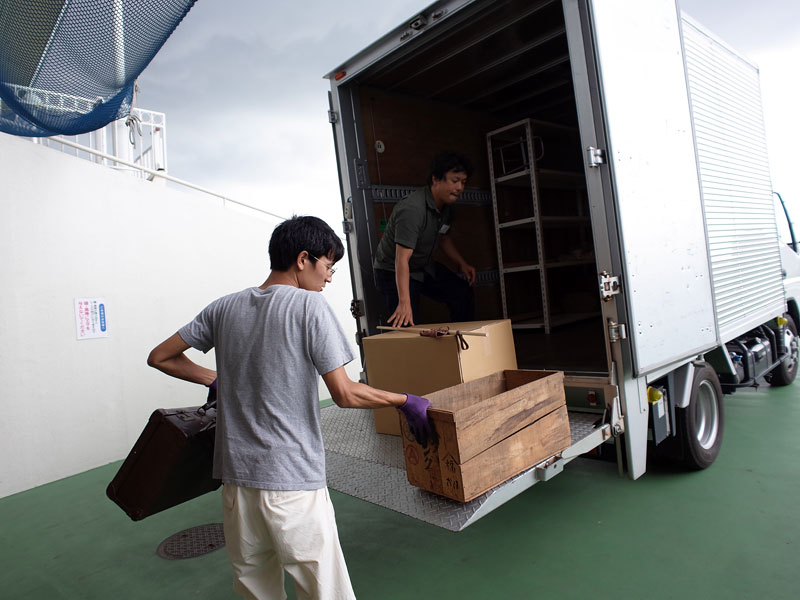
(785, 373)
(701, 424)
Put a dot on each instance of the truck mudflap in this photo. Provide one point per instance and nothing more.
(370, 466)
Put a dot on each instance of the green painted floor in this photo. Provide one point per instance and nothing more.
(731, 531)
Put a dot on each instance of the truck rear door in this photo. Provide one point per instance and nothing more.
(644, 194)
(633, 107)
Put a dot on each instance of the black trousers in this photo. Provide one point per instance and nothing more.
(444, 286)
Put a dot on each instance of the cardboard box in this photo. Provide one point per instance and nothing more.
(488, 431)
(406, 362)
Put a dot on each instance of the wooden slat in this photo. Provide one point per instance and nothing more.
(481, 427)
(449, 401)
(537, 442)
(484, 413)
(492, 438)
(521, 377)
(422, 463)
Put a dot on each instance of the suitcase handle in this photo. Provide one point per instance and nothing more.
(207, 406)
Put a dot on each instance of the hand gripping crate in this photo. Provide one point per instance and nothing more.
(489, 430)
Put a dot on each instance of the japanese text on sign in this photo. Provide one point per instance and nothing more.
(90, 318)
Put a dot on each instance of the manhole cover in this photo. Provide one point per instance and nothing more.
(192, 542)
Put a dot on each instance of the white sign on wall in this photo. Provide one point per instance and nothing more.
(90, 318)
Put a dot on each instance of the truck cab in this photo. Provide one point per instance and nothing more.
(790, 257)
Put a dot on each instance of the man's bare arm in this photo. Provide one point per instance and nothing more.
(169, 358)
(350, 394)
(402, 315)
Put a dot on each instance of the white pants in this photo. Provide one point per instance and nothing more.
(267, 532)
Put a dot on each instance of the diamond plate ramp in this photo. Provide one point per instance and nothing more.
(370, 466)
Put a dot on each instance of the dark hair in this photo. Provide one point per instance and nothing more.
(294, 235)
(448, 161)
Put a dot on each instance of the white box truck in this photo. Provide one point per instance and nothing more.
(620, 214)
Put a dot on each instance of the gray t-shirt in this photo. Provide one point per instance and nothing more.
(271, 346)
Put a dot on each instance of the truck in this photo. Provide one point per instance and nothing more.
(620, 215)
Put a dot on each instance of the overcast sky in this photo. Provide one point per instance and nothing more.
(241, 83)
(242, 86)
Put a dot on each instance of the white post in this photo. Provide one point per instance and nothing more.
(119, 42)
(122, 144)
(102, 145)
(158, 149)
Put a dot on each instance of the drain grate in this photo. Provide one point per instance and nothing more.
(193, 542)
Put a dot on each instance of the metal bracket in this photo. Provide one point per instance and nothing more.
(357, 308)
(347, 225)
(549, 468)
(333, 117)
(419, 22)
(609, 286)
(597, 156)
(360, 335)
(361, 173)
(617, 420)
(616, 331)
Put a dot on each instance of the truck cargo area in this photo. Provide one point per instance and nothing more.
(489, 67)
(495, 85)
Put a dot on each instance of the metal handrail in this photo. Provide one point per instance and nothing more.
(54, 101)
(161, 174)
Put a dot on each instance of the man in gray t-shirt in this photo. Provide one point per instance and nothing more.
(272, 342)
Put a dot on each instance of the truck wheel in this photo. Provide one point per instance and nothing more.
(785, 372)
(700, 424)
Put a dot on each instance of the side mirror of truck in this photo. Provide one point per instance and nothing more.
(785, 228)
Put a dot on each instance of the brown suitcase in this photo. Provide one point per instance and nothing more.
(169, 464)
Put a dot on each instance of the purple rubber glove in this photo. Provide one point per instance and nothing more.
(415, 411)
(212, 392)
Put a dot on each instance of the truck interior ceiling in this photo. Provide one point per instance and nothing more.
(495, 84)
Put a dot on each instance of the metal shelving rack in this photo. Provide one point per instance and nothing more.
(512, 153)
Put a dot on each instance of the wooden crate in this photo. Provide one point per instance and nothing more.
(489, 430)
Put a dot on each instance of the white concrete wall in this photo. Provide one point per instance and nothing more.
(70, 229)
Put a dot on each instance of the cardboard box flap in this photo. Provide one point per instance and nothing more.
(433, 367)
(474, 326)
(467, 326)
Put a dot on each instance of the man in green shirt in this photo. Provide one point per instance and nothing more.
(403, 264)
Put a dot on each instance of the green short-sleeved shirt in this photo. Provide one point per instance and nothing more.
(415, 223)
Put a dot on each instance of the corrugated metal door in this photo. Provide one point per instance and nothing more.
(734, 173)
